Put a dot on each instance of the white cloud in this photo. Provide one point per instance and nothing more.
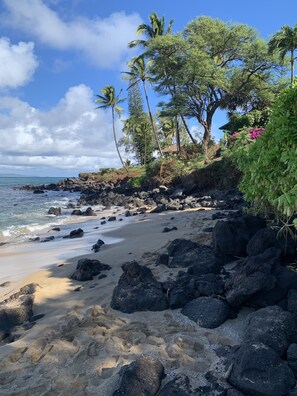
(102, 41)
(18, 63)
(71, 136)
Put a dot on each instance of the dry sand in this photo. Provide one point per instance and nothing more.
(80, 344)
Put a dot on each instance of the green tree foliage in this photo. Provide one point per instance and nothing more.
(285, 41)
(269, 165)
(252, 119)
(139, 71)
(163, 66)
(137, 129)
(172, 130)
(214, 65)
(109, 99)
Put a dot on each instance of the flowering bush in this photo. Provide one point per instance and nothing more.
(244, 136)
(255, 133)
(269, 165)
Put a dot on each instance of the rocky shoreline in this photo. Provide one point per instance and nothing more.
(160, 198)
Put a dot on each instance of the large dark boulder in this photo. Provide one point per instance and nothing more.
(198, 258)
(252, 275)
(162, 259)
(292, 358)
(266, 298)
(179, 386)
(230, 237)
(86, 269)
(257, 370)
(209, 285)
(191, 257)
(272, 326)
(179, 296)
(207, 312)
(141, 378)
(179, 247)
(214, 386)
(292, 302)
(285, 280)
(262, 240)
(138, 290)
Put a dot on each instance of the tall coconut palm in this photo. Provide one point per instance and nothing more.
(109, 99)
(139, 72)
(155, 29)
(285, 41)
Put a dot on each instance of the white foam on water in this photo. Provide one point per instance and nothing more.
(19, 259)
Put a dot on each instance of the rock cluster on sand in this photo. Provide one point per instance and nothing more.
(86, 269)
(245, 268)
(138, 290)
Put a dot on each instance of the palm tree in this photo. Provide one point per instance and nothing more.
(109, 99)
(155, 29)
(139, 72)
(285, 41)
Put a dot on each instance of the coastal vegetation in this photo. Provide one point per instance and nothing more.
(208, 67)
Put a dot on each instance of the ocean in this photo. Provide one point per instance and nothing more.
(24, 223)
(22, 212)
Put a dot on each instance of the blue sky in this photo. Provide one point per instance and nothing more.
(55, 55)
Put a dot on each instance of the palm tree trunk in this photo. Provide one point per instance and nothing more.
(115, 141)
(292, 67)
(151, 119)
(177, 137)
(188, 130)
(145, 154)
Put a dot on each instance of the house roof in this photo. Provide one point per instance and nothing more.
(170, 149)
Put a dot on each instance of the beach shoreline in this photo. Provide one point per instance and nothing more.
(62, 300)
(20, 258)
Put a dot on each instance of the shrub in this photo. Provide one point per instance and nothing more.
(269, 166)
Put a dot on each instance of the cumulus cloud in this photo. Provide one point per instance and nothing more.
(18, 63)
(73, 135)
(102, 41)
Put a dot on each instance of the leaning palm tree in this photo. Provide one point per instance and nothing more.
(109, 99)
(139, 72)
(155, 29)
(285, 41)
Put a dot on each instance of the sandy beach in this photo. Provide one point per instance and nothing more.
(80, 344)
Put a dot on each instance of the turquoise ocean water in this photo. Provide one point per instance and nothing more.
(22, 212)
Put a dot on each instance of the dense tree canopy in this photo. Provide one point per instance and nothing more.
(214, 65)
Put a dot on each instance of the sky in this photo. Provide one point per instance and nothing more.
(56, 55)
